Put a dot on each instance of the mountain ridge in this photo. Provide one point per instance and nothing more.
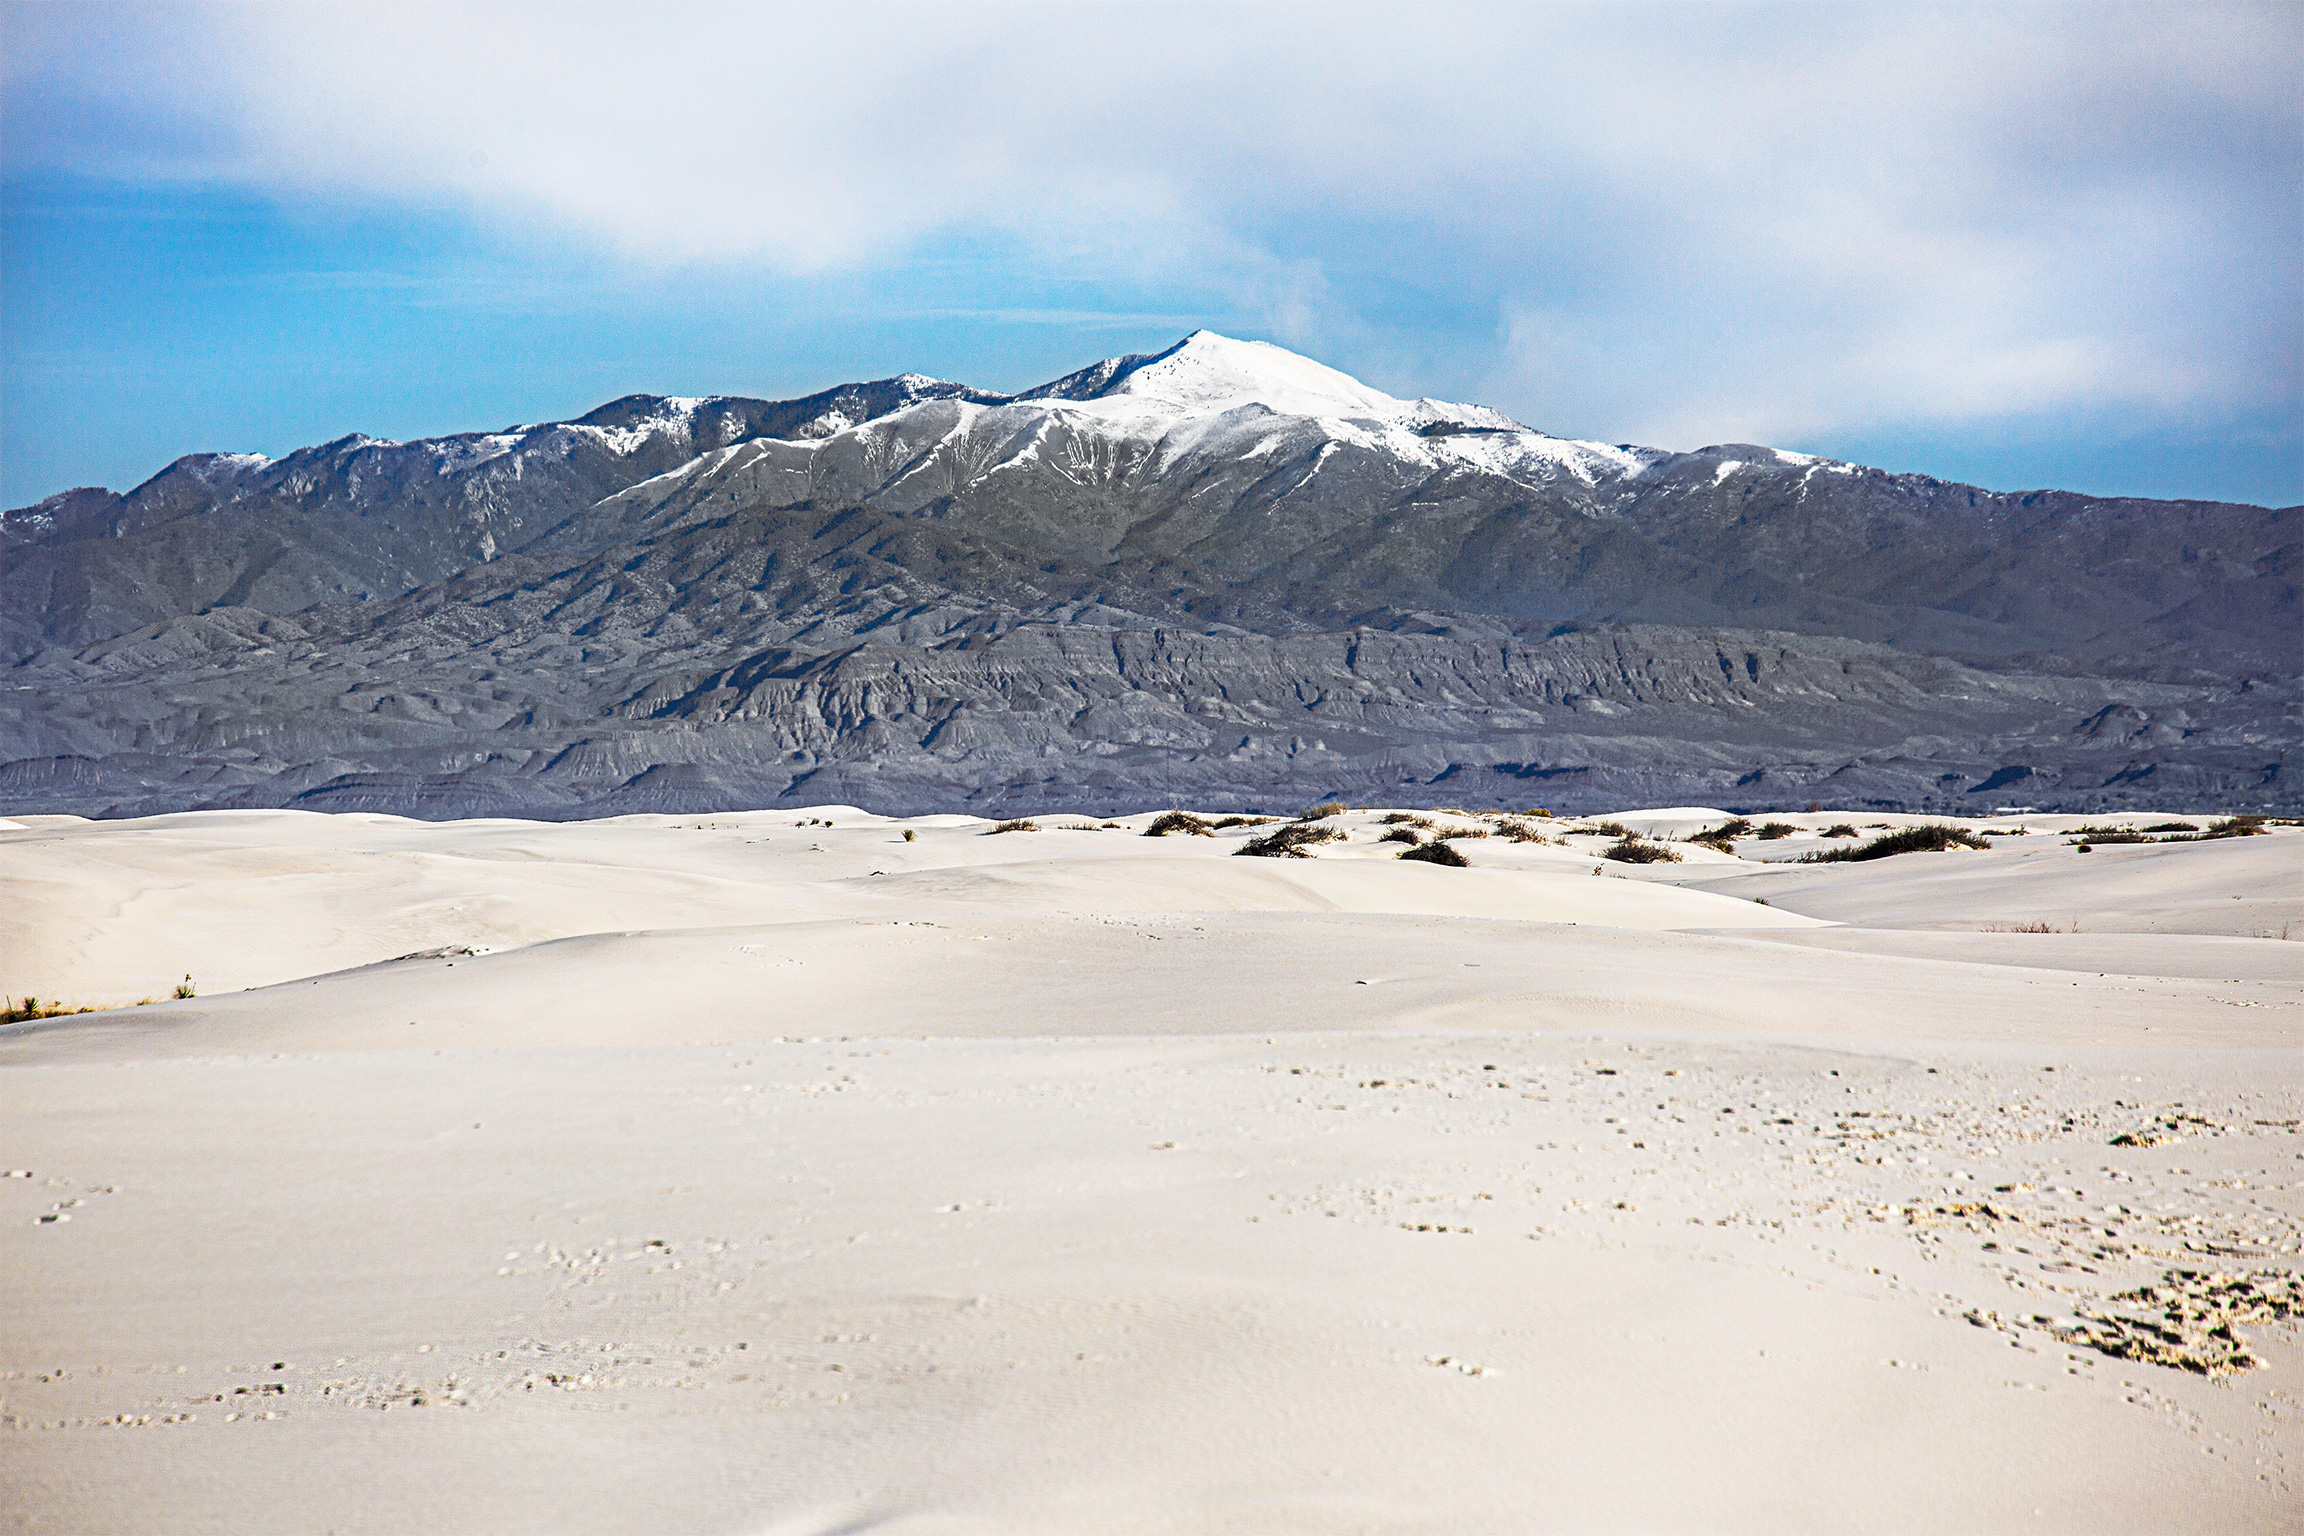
(663, 540)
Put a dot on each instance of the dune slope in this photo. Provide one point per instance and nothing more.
(780, 1173)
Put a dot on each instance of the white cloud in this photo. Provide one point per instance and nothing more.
(1771, 220)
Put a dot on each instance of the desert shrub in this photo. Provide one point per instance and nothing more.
(1396, 818)
(1634, 850)
(911, 836)
(1322, 811)
(1178, 821)
(2111, 835)
(2022, 928)
(1402, 835)
(1466, 832)
(1437, 852)
(1774, 830)
(1839, 829)
(1537, 810)
(1610, 829)
(1521, 832)
(1020, 825)
(1934, 838)
(1243, 821)
(2236, 826)
(1727, 831)
(2170, 826)
(1289, 842)
(184, 989)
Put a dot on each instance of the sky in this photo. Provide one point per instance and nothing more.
(2019, 246)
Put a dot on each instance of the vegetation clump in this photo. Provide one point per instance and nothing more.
(2188, 1319)
(1242, 821)
(1774, 830)
(1838, 829)
(29, 1008)
(1609, 829)
(1437, 852)
(1635, 849)
(1401, 835)
(1519, 831)
(1727, 832)
(2236, 826)
(2249, 825)
(1322, 811)
(1022, 824)
(1179, 821)
(1289, 842)
(32, 1008)
(1933, 838)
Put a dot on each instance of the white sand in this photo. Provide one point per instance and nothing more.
(776, 1178)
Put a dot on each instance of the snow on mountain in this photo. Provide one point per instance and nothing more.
(1209, 397)
(1206, 373)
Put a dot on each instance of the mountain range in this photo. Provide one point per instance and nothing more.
(1218, 573)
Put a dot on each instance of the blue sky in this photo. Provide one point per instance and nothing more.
(2021, 247)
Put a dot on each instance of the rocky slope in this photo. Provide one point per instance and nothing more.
(1219, 571)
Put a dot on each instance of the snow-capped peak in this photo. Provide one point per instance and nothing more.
(1206, 372)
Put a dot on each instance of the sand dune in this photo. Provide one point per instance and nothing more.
(752, 1174)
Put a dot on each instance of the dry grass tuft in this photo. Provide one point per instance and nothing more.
(1437, 853)
(1171, 822)
(1020, 825)
(1637, 850)
(1322, 811)
(32, 1008)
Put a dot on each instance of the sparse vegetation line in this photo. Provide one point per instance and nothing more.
(1933, 838)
